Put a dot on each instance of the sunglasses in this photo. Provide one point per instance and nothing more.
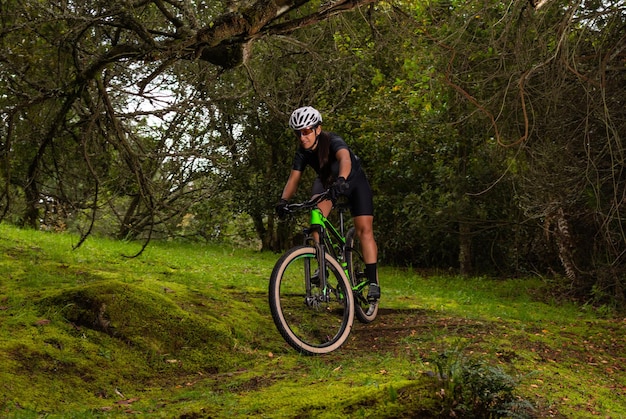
(304, 131)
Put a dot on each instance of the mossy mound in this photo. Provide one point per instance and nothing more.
(146, 322)
(95, 345)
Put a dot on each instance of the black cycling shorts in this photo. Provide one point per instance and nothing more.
(359, 194)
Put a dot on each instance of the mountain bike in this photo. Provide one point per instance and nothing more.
(317, 288)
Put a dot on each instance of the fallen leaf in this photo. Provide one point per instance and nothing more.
(127, 401)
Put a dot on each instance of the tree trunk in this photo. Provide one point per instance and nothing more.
(127, 229)
(565, 243)
(31, 213)
(465, 248)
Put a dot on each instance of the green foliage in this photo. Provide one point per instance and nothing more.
(471, 388)
(490, 131)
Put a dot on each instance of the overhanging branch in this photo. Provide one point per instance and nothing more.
(224, 43)
(334, 8)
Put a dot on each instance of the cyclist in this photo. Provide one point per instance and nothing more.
(339, 170)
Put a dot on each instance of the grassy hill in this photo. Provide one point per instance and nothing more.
(184, 330)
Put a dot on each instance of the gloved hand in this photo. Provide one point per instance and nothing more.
(338, 188)
(281, 208)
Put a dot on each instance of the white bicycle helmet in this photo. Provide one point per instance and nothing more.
(305, 117)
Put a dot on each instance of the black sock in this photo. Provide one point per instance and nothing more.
(371, 272)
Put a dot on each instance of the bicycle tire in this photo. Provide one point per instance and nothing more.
(318, 327)
(364, 310)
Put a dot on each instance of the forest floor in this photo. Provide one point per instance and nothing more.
(185, 331)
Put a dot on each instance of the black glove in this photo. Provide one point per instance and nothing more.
(281, 208)
(338, 188)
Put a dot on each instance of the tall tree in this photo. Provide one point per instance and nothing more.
(543, 77)
(572, 98)
(82, 83)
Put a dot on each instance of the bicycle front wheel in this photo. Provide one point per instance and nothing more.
(312, 319)
(364, 310)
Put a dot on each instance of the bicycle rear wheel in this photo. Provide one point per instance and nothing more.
(364, 310)
(312, 320)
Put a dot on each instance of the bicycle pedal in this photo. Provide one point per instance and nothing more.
(373, 294)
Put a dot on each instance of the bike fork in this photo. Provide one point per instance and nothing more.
(314, 299)
(320, 253)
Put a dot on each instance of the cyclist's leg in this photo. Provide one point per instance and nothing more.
(363, 225)
(324, 206)
(362, 207)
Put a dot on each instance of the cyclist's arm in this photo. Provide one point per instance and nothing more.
(292, 185)
(345, 164)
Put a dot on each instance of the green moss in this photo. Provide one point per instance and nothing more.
(91, 344)
(146, 321)
(185, 331)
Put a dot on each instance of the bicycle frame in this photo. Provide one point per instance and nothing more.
(334, 284)
(336, 240)
(330, 239)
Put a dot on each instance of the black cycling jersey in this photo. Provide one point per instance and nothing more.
(305, 158)
(359, 192)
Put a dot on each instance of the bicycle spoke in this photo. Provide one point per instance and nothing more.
(312, 318)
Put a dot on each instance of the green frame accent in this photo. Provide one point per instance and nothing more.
(317, 218)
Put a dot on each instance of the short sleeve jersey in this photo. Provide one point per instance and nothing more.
(304, 158)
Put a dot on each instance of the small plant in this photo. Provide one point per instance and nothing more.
(471, 388)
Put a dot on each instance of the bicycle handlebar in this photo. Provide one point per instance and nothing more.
(311, 203)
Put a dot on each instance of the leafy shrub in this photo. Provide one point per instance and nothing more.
(471, 388)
